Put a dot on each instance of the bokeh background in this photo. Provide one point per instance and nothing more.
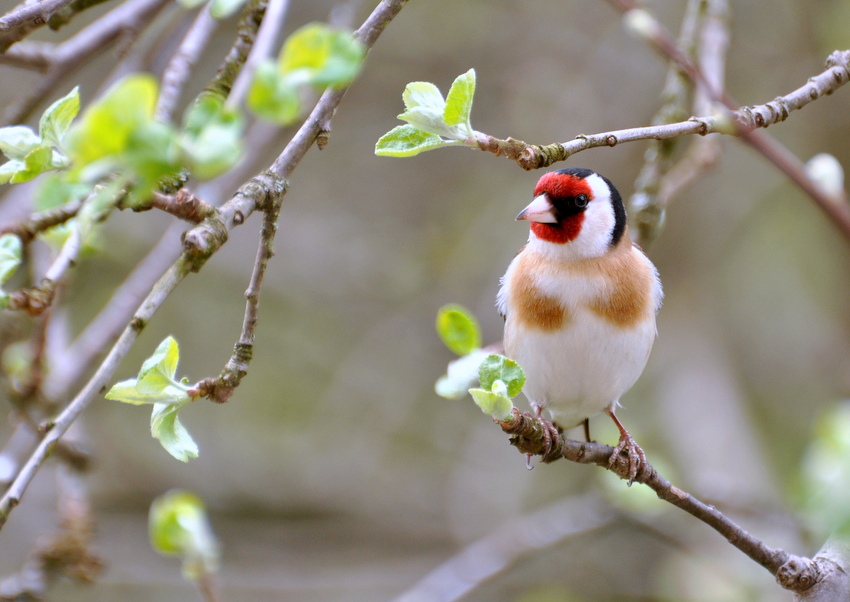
(336, 473)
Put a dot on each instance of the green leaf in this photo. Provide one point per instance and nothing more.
(152, 155)
(37, 161)
(459, 101)
(458, 329)
(429, 121)
(407, 141)
(11, 255)
(499, 368)
(106, 127)
(172, 435)
(128, 391)
(159, 369)
(9, 169)
(178, 526)
(17, 141)
(423, 94)
(461, 374)
(221, 9)
(271, 97)
(54, 190)
(212, 138)
(156, 383)
(58, 117)
(496, 405)
(324, 56)
(190, 4)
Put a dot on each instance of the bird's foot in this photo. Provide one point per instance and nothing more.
(628, 451)
(550, 435)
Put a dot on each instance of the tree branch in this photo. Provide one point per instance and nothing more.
(745, 119)
(177, 72)
(265, 42)
(527, 435)
(44, 220)
(58, 61)
(19, 23)
(199, 244)
(220, 389)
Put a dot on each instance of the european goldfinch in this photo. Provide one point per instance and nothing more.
(579, 302)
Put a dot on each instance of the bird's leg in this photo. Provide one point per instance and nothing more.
(637, 458)
(587, 430)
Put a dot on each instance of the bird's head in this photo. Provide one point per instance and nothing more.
(576, 209)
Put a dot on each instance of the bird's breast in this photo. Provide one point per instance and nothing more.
(545, 295)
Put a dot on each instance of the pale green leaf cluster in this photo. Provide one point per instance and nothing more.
(119, 134)
(211, 140)
(432, 121)
(825, 477)
(119, 142)
(500, 378)
(30, 154)
(156, 385)
(314, 55)
(178, 526)
(11, 255)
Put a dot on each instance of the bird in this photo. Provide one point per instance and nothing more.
(580, 301)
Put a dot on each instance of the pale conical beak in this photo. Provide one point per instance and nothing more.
(539, 210)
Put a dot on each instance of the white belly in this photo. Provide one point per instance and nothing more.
(579, 371)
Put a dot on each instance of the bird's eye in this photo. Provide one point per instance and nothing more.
(582, 200)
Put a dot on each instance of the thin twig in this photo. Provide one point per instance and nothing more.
(246, 34)
(182, 204)
(36, 299)
(646, 213)
(20, 23)
(104, 329)
(521, 536)
(221, 389)
(44, 220)
(179, 67)
(61, 60)
(264, 45)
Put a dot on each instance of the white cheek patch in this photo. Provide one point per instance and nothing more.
(598, 225)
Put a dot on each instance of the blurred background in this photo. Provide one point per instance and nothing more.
(336, 473)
